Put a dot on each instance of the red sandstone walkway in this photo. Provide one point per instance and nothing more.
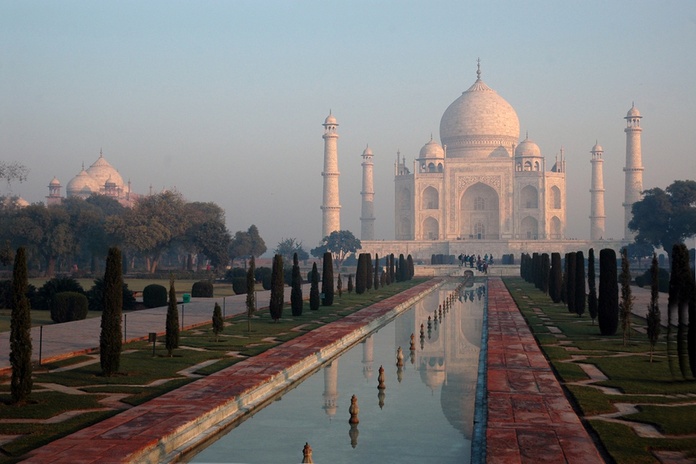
(529, 418)
(145, 433)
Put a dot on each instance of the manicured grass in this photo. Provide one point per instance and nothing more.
(141, 373)
(665, 400)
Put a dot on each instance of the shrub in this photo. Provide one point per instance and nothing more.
(202, 289)
(239, 285)
(234, 272)
(45, 295)
(155, 295)
(95, 296)
(69, 306)
(263, 274)
(662, 279)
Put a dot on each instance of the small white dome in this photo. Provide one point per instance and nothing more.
(82, 185)
(432, 149)
(597, 147)
(55, 182)
(633, 113)
(528, 148)
(330, 119)
(367, 151)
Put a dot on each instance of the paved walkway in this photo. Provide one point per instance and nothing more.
(58, 341)
(529, 418)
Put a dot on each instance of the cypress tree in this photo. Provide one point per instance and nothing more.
(626, 302)
(402, 269)
(579, 283)
(360, 275)
(679, 296)
(314, 289)
(536, 267)
(409, 267)
(608, 302)
(545, 271)
(556, 278)
(218, 322)
(376, 272)
(275, 306)
(250, 291)
(20, 331)
(692, 323)
(339, 286)
(296, 292)
(327, 280)
(653, 317)
(110, 337)
(392, 265)
(350, 283)
(368, 268)
(172, 329)
(564, 280)
(592, 284)
(570, 285)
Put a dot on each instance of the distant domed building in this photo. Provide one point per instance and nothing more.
(100, 178)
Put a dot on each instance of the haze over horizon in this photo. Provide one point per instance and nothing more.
(224, 101)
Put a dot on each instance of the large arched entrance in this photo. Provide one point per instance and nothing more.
(431, 229)
(480, 213)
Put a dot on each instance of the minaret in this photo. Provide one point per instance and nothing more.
(634, 167)
(331, 388)
(331, 206)
(367, 214)
(597, 216)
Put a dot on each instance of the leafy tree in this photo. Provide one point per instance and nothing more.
(250, 291)
(556, 277)
(579, 283)
(11, 171)
(296, 302)
(653, 316)
(639, 251)
(626, 302)
(20, 331)
(314, 289)
(46, 294)
(665, 217)
(206, 232)
(608, 302)
(340, 243)
(327, 280)
(275, 306)
(288, 248)
(172, 329)
(244, 245)
(111, 336)
(218, 322)
(592, 284)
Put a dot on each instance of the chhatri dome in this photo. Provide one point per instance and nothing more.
(82, 185)
(432, 149)
(478, 123)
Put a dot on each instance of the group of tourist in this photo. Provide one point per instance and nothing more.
(481, 263)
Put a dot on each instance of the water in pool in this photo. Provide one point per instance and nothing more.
(424, 413)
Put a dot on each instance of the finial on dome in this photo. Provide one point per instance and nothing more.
(101, 154)
(478, 69)
(526, 135)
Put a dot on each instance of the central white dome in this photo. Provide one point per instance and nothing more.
(478, 123)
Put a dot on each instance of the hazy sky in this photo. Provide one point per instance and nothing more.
(224, 100)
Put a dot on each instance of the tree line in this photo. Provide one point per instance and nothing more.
(611, 305)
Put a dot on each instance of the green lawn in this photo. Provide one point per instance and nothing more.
(665, 401)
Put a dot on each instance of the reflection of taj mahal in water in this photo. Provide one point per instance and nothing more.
(443, 358)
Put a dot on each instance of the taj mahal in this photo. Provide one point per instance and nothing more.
(482, 189)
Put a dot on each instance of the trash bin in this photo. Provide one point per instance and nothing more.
(187, 298)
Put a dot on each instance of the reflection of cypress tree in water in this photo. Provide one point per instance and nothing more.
(368, 357)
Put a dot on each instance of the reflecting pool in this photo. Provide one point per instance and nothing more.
(424, 414)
